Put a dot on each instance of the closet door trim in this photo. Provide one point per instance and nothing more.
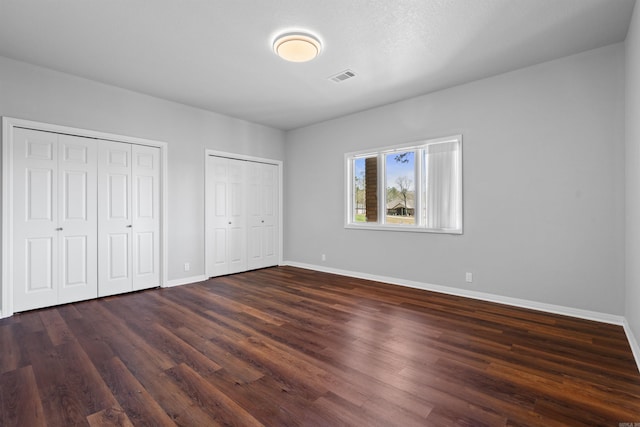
(8, 126)
(207, 250)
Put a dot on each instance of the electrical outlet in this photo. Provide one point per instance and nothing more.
(469, 277)
(187, 266)
(324, 257)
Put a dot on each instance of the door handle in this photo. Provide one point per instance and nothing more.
(229, 222)
(129, 226)
(262, 221)
(59, 229)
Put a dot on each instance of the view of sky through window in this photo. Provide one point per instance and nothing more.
(400, 165)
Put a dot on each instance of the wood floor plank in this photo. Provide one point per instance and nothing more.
(331, 409)
(160, 387)
(276, 362)
(181, 352)
(291, 347)
(56, 326)
(82, 376)
(150, 330)
(244, 308)
(21, 404)
(387, 413)
(10, 351)
(140, 406)
(70, 385)
(241, 371)
(271, 402)
(30, 321)
(221, 409)
(126, 339)
(109, 418)
(96, 345)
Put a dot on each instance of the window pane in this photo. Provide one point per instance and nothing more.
(401, 196)
(365, 189)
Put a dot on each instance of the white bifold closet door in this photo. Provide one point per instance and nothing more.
(227, 216)
(54, 217)
(128, 218)
(242, 215)
(262, 202)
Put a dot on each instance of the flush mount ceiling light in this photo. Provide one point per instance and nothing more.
(297, 47)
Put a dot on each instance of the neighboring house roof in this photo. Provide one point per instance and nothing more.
(399, 203)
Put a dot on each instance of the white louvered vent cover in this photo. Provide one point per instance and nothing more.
(342, 76)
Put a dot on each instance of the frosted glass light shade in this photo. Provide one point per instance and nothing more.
(297, 47)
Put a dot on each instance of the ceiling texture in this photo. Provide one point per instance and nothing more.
(217, 54)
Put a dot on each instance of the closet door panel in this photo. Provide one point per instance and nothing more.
(220, 250)
(254, 246)
(270, 246)
(40, 193)
(114, 218)
(145, 249)
(217, 218)
(118, 257)
(237, 215)
(255, 229)
(270, 215)
(146, 216)
(263, 214)
(236, 253)
(78, 221)
(226, 238)
(118, 196)
(35, 219)
(40, 268)
(76, 260)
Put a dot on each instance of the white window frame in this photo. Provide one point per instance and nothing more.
(420, 221)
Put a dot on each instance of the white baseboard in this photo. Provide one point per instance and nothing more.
(635, 348)
(516, 302)
(185, 281)
(534, 305)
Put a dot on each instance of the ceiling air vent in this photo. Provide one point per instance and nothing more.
(342, 76)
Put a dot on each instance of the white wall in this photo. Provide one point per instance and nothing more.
(543, 186)
(33, 93)
(632, 157)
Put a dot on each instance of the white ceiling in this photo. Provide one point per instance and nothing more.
(217, 54)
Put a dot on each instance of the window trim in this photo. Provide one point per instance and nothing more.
(380, 153)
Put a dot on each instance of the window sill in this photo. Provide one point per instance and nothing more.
(402, 228)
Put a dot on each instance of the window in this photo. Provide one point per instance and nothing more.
(415, 187)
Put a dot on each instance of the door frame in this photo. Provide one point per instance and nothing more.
(8, 126)
(207, 176)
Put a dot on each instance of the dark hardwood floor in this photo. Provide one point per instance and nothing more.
(286, 346)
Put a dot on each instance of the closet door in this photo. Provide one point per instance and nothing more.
(55, 222)
(146, 216)
(35, 219)
(227, 216)
(114, 218)
(77, 220)
(237, 214)
(262, 202)
(216, 211)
